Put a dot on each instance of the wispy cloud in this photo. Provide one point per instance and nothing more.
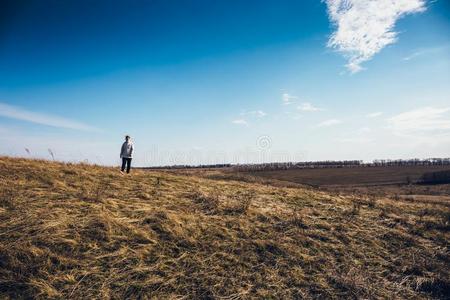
(356, 140)
(360, 136)
(294, 115)
(328, 123)
(306, 106)
(18, 113)
(256, 113)
(240, 122)
(288, 98)
(374, 114)
(413, 55)
(365, 27)
(422, 121)
(364, 130)
(426, 51)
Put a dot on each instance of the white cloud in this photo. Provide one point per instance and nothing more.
(356, 140)
(328, 123)
(257, 113)
(64, 146)
(240, 122)
(364, 130)
(414, 55)
(425, 121)
(306, 106)
(374, 114)
(292, 115)
(361, 136)
(288, 98)
(426, 51)
(14, 112)
(365, 27)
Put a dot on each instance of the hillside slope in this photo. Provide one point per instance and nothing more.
(77, 231)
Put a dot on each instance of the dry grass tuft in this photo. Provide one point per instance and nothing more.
(209, 203)
(86, 232)
(240, 203)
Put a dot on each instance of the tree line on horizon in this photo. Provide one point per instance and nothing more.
(316, 164)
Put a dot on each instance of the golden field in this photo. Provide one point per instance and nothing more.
(75, 231)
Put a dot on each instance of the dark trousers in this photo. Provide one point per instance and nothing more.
(126, 162)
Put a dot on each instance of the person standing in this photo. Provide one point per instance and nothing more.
(126, 153)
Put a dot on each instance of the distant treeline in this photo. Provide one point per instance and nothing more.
(191, 166)
(436, 177)
(318, 164)
(344, 164)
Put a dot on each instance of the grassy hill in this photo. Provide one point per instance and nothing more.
(77, 231)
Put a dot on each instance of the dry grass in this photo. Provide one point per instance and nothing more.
(86, 232)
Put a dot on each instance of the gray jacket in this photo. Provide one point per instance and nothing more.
(127, 150)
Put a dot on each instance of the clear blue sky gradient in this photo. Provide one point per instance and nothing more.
(178, 75)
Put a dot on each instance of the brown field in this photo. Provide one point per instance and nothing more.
(86, 232)
(367, 180)
(352, 176)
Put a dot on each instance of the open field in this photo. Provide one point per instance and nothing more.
(87, 232)
(352, 176)
(393, 180)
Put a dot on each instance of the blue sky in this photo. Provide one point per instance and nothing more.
(225, 81)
